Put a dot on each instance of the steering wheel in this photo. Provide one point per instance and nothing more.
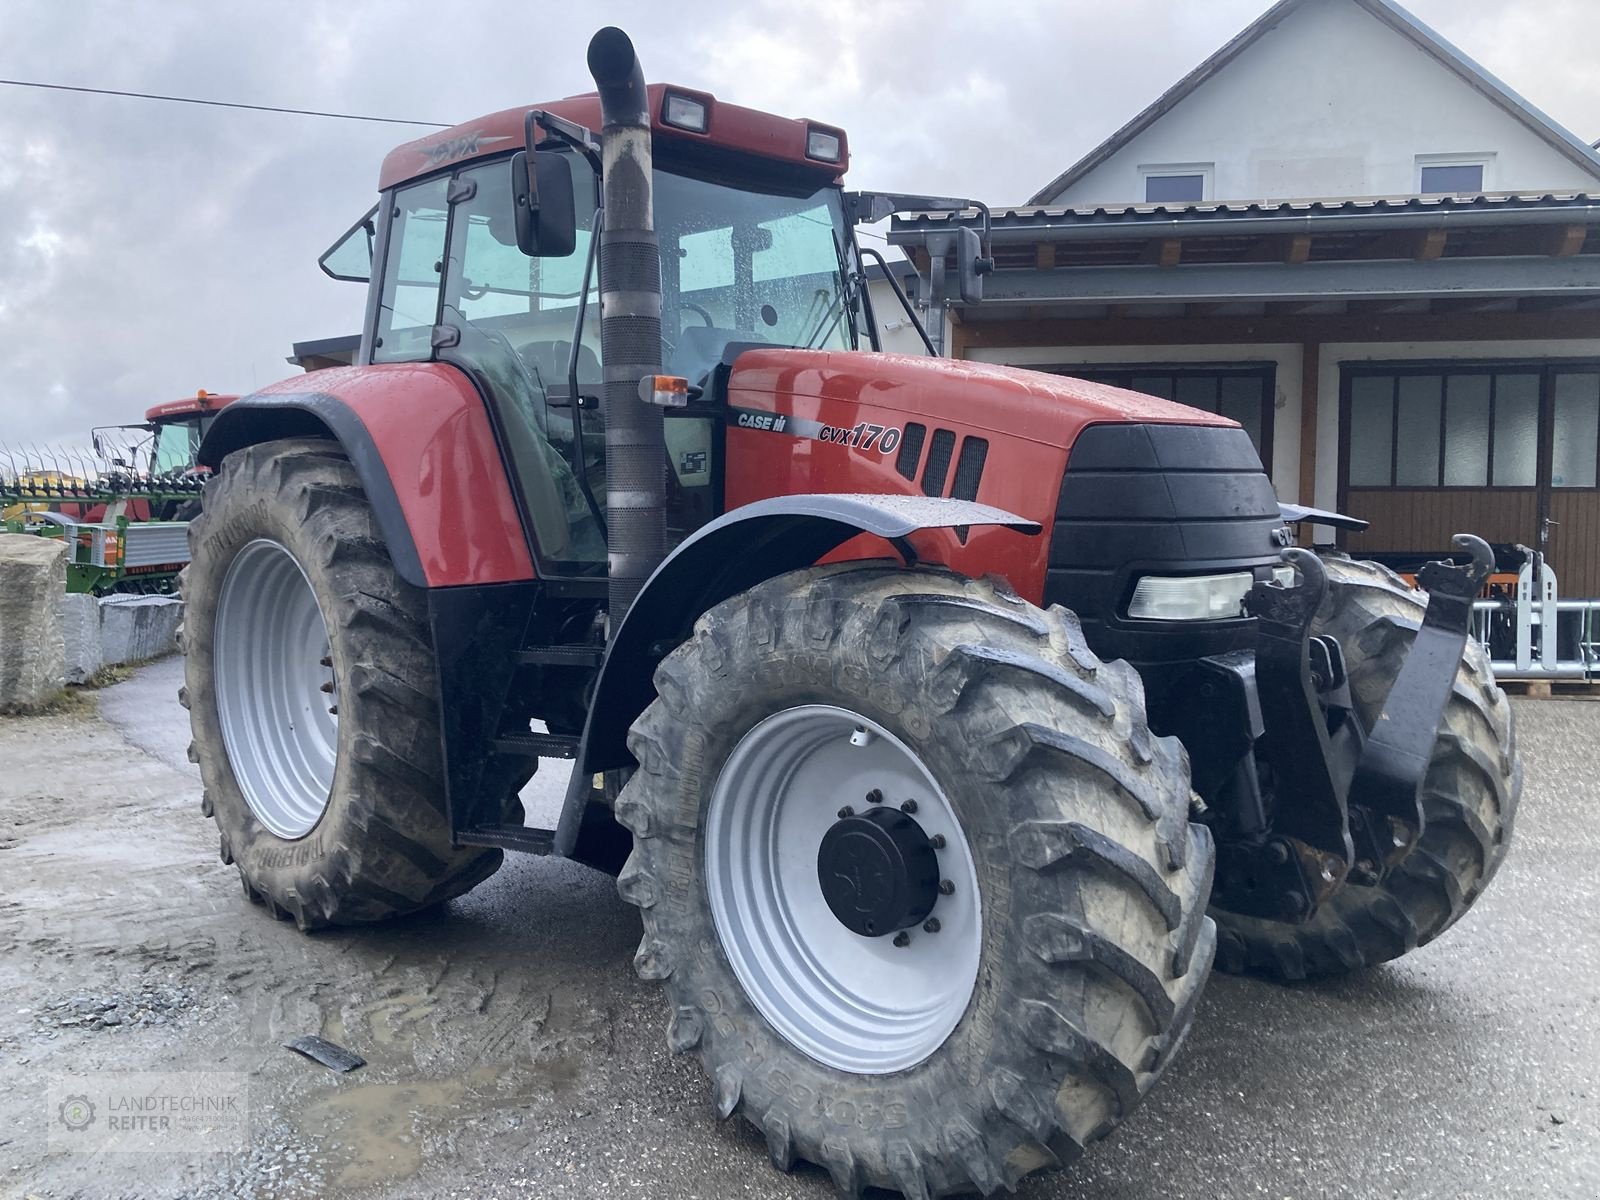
(710, 323)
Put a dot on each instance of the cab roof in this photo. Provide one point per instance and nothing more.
(173, 410)
(728, 126)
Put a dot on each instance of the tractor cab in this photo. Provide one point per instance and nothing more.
(756, 250)
(179, 427)
(166, 444)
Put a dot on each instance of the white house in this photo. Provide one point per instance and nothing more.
(1329, 99)
(1344, 233)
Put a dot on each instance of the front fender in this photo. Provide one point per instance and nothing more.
(730, 555)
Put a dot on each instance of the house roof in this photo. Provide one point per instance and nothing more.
(1033, 222)
(1503, 249)
(1392, 15)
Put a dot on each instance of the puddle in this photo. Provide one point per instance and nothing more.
(377, 1129)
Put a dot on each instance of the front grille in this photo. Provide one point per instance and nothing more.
(1163, 500)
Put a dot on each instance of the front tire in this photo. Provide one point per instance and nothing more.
(1469, 799)
(312, 694)
(1041, 1008)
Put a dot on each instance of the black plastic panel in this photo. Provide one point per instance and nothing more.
(1159, 500)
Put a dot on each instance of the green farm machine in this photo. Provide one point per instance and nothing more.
(123, 510)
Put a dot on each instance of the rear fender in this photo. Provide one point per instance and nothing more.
(419, 437)
(730, 555)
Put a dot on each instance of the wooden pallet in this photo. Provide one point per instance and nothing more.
(1552, 689)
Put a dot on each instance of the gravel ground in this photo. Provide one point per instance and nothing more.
(511, 1051)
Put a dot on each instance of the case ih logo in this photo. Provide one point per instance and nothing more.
(459, 147)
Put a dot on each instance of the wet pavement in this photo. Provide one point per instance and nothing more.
(511, 1051)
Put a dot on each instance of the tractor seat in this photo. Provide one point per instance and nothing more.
(548, 360)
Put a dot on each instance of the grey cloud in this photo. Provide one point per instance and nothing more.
(147, 249)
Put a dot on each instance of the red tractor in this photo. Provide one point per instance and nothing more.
(942, 720)
(166, 463)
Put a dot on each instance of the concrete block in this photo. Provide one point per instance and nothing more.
(138, 628)
(33, 576)
(80, 630)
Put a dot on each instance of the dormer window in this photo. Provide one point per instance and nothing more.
(1176, 183)
(1451, 174)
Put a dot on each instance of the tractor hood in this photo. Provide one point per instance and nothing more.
(1050, 409)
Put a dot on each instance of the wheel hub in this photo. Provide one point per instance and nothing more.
(878, 872)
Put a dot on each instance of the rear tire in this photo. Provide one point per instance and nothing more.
(347, 823)
(1469, 799)
(1092, 944)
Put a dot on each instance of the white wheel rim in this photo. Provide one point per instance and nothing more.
(861, 1004)
(269, 645)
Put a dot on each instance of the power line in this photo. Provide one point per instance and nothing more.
(299, 112)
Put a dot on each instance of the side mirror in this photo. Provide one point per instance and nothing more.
(547, 222)
(971, 265)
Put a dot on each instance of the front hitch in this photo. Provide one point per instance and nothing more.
(1346, 803)
(1310, 852)
(1388, 777)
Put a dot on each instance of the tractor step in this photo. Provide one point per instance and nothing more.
(537, 745)
(509, 837)
(576, 655)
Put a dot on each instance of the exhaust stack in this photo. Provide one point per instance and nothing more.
(630, 324)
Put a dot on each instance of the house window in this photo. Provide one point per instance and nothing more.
(1176, 183)
(1472, 427)
(1439, 175)
(1242, 392)
(1577, 430)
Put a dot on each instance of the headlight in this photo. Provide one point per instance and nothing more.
(1197, 597)
(1190, 597)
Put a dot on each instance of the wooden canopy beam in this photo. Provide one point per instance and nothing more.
(1430, 244)
(1568, 240)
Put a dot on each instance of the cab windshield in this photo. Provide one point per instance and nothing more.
(742, 267)
(177, 445)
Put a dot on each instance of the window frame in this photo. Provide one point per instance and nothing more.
(366, 223)
(378, 285)
(1148, 171)
(1482, 160)
(1121, 374)
(1546, 369)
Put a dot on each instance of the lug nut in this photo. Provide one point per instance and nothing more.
(874, 797)
(846, 811)
(937, 841)
(327, 687)
(910, 806)
(931, 925)
(327, 662)
(902, 939)
(333, 709)
(946, 888)
(1278, 852)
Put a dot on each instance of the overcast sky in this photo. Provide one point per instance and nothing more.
(149, 249)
